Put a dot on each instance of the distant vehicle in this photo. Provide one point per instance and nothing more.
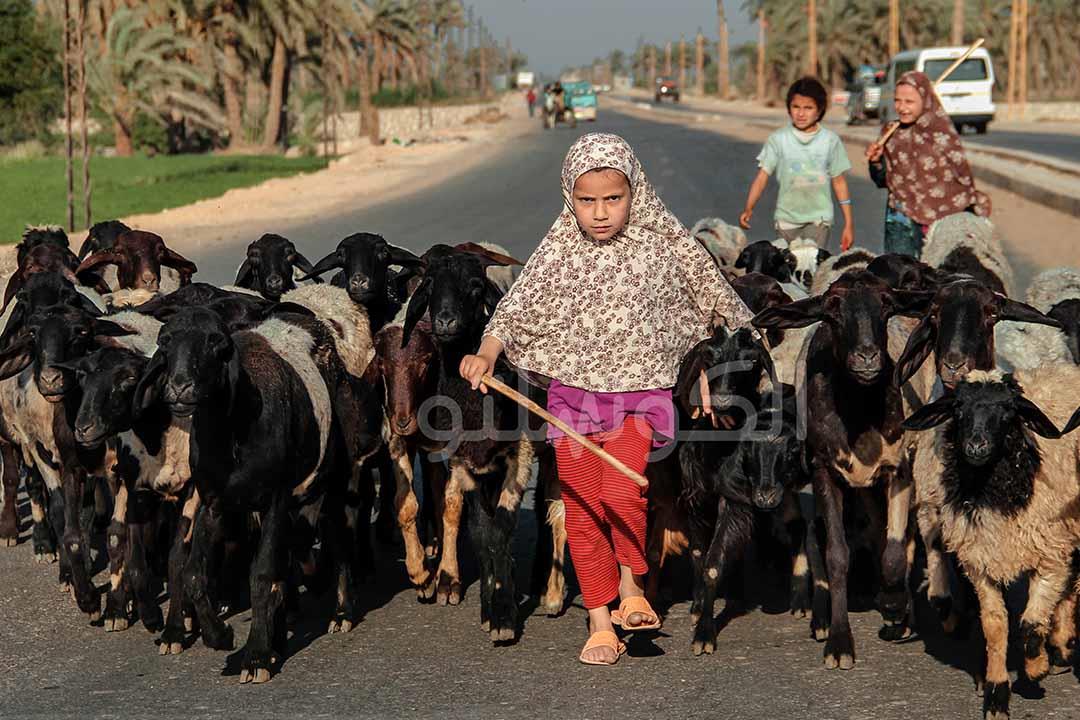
(864, 99)
(965, 95)
(526, 79)
(581, 98)
(666, 88)
(555, 109)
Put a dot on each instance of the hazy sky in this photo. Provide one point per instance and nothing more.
(557, 33)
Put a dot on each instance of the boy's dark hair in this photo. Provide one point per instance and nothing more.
(812, 88)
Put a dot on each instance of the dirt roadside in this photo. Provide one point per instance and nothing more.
(1035, 237)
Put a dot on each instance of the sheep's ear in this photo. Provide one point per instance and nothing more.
(798, 314)
(1017, 311)
(492, 296)
(180, 264)
(823, 255)
(767, 363)
(245, 274)
(1036, 419)
(15, 323)
(487, 257)
(107, 328)
(101, 257)
(16, 357)
(149, 387)
(15, 283)
(403, 257)
(790, 259)
(331, 261)
(931, 415)
(1074, 422)
(298, 259)
(686, 386)
(742, 260)
(919, 346)
(418, 305)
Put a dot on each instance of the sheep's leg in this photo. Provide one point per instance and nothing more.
(75, 544)
(555, 588)
(840, 647)
(140, 525)
(1062, 639)
(9, 515)
(800, 582)
(893, 601)
(268, 579)
(448, 588)
(116, 600)
(1045, 592)
(434, 474)
(819, 608)
(43, 536)
(172, 638)
(208, 529)
(384, 523)
(939, 588)
(734, 530)
(995, 625)
(406, 508)
(502, 605)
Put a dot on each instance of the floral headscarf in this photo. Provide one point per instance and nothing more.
(928, 175)
(615, 315)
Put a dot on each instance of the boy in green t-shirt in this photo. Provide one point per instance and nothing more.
(806, 158)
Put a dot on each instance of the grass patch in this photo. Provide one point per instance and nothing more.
(33, 190)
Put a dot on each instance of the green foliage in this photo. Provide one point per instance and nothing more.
(148, 133)
(33, 190)
(31, 83)
(407, 95)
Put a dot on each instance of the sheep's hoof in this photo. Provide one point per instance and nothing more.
(339, 626)
(551, 606)
(840, 651)
(64, 588)
(116, 624)
(1037, 668)
(45, 558)
(189, 624)
(996, 701)
(448, 590)
(9, 542)
(894, 633)
(257, 676)
(1060, 657)
(170, 648)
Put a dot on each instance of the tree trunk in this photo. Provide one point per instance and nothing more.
(369, 114)
(762, 26)
(231, 88)
(811, 34)
(122, 130)
(272, 128)
(958, 22)
(699, 64)
(667, 61)
(723, 57)
(652, 68)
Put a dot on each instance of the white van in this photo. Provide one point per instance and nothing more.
(965, 95)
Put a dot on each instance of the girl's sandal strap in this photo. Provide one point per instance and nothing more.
(602, 638)
(635, 605)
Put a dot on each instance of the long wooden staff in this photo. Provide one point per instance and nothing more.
(504, 389)
(948, 71)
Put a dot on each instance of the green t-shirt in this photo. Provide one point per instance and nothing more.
(804, 170)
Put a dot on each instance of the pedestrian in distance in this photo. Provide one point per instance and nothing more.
(923, 166)
(806, 159)
(530, 97)
(614, 297)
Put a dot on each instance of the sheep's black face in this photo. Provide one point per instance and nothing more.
(59, 333)
(107, 379)
(858, 309)
(268, 268)
(736, 364)
(772, 465)
(1067, 312)
(982, 417)
(964, 314)
(365, 266)
(195, 348)
(457, 297)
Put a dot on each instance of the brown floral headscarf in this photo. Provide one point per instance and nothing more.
(928, 174)
(618, 315)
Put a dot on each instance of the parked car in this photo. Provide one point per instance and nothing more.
(581, 98)
(965, 95)
(666, 88)
(864, 100)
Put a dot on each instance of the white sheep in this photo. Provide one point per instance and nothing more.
(969, 245)
(724, 242)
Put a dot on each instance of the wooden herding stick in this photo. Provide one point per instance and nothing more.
(504, 389)
(948, 71)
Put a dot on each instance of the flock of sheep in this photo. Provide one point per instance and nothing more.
(901, 406)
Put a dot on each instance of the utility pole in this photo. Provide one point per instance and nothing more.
(67, 119)
(1014, 27)
(470, 47)
(1022, 66)
(699, 63)
(483, 60)
(80, 48)
(958, 22)
(811, 60)
(723, 63)
(762, 25)
(894, 27)
(682, 62)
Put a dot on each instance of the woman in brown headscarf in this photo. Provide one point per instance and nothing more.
(923, 166)
(606, 308)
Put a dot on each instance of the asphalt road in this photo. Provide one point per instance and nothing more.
(409, 659)
(1060, 145)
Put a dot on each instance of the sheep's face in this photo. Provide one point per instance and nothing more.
(38, 236)
(986, 411)
(772, 465)
(107, 379)
(734, 364)
(406, 373)
(959, 329)
(807, 260)
(49, 338)
(364, 260)
(764, 257)
(268, 267)
(191, 363)
(1067, 312)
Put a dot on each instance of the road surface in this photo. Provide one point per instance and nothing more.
(409, 659)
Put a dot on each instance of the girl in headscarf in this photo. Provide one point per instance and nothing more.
(923, 166)
(605, 309)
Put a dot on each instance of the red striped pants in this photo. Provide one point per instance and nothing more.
(606, 511)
